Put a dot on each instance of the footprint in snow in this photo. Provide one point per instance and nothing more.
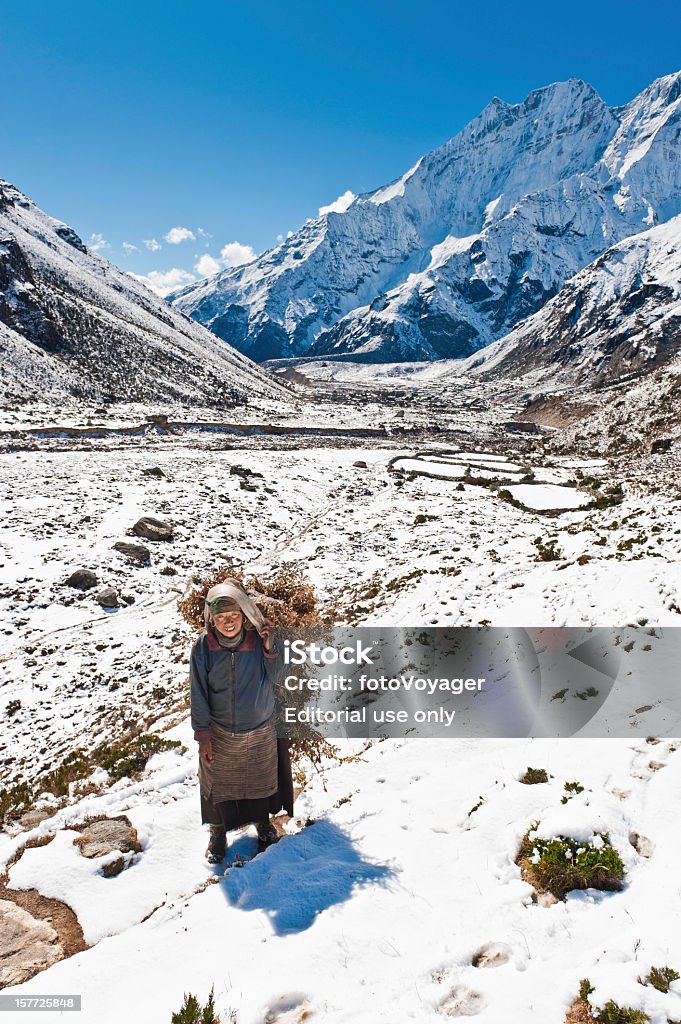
(494, 954)
(462, 1002)
(644, 847)
(291, 1009)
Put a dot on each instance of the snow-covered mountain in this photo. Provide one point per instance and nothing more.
(620, 315)
(478, 235)
(73, 324)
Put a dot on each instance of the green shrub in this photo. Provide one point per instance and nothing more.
(126, 756)
(549, 551)
(612, 1013)
(533, 776)
(661, 978)
(582, 1011)
(585, 989)
(560, 864)
(571, 789)
(191, 1011)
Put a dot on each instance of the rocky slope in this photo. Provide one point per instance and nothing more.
(478, 235)
(619, 317)
(72, 324)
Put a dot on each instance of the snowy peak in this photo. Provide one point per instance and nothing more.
(477, 235)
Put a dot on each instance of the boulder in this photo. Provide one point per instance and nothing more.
(660, 444)
(152, 529)
(137, 553)
(27, 945)
(82, 579)
(107, 598)
(106, 836)
(153, 471)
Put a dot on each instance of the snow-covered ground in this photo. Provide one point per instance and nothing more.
(398, 869)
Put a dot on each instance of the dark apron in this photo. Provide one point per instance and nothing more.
(236, 813)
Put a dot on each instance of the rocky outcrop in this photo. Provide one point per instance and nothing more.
(27, 945)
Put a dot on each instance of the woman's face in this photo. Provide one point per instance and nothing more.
(228, 623)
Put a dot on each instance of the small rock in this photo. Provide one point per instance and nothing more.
(152, 529)
(82, 579)
(113, 868)
(154, 471)
(27, 945)
(106, 835)
(660, 444)
(107, 598)
(360, 464)
(33, 818)
(133, 552)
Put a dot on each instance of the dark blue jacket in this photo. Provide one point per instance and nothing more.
(235, 689)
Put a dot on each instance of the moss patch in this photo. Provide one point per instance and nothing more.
(560, 864)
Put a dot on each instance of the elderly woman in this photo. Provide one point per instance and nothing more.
(244, 770)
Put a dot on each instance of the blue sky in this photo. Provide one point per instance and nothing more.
(237, 121)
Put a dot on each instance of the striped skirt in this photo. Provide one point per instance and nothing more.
(244, 765)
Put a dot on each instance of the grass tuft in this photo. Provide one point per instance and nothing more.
(533, 776)
(561, 864)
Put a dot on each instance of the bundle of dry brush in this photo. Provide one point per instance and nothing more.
(289, 602)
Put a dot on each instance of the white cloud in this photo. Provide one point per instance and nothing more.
(207, 265)
(165, 281)
(177, 235)
(203, 233)
(98, 241)
(129, 247)
(339, 205)
(152, 244)
(234, 254)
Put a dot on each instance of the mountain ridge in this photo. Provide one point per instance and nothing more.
(76, 325)
(366, 280)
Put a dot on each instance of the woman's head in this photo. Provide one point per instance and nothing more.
(226, 615)
(229, 598)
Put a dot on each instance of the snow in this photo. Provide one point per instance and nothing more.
(546, 496)
(377, 910)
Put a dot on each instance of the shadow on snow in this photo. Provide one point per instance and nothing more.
(301, 876)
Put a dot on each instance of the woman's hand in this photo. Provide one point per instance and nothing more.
(266, 637)
(206, 751)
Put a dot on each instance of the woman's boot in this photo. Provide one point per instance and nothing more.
(217, 844)
(267, 834)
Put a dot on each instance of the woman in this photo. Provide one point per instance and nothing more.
(244, 770)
